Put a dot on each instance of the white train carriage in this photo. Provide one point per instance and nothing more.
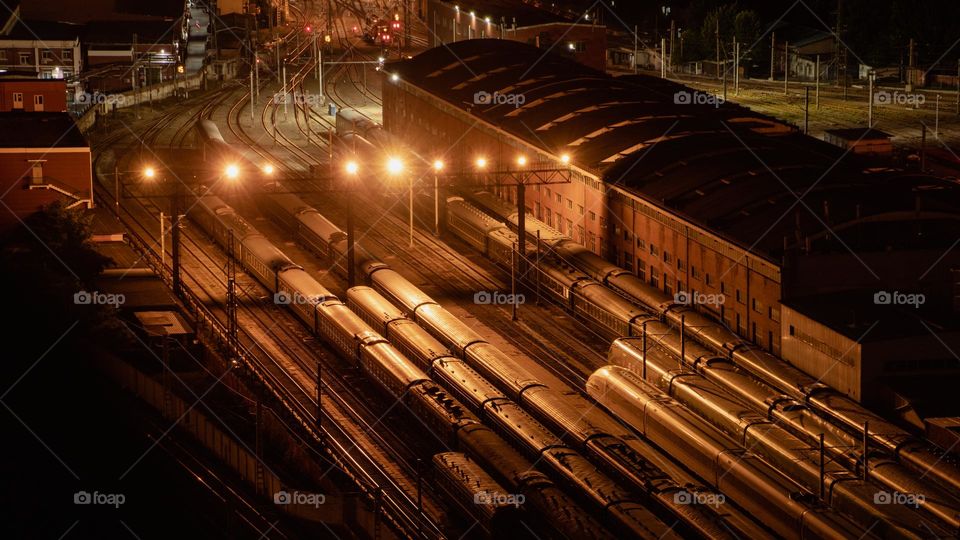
(297, 289)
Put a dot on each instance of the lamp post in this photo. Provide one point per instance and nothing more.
(437, 167)
(521, 213)
(351, 169)
(395, 168)
(231, 172)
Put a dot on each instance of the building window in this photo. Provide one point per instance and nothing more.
(559, 223)
(654, 277)
(641, 244)
(603, 223)
(569, 204)
(653, 249)
(680, 263)
(580, 209)
(694, 272)
(723, 287)
(666, 256)
(577, 46)
(17, 100)
(593, 216)
(739, 296)
(559, 199)
(570, 230)
(66, 54)
(3, 56)
(24, 59)
(757, 305)
(549, 217)
(38, 100)
(46, 56)
(641, 272)
(627, 261)
(537, 211)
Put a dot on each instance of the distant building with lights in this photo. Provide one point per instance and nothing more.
(577, 39)
(50, 50)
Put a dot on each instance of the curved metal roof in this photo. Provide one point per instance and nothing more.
(731, 170)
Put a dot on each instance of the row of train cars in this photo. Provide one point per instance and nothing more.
(458, 384)
(735, 379)
(481, 385)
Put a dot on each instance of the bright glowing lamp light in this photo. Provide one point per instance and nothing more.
(394, 77)
(352, 167)
(481, 162)
(521, 161)
(394, 166)
(232, 171)
(268, 168)
(149, 172)
(438, 165)
(565, 158)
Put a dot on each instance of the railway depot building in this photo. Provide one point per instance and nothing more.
(690, 194)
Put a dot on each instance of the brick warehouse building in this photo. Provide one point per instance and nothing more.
(43, 158)
(688, 196)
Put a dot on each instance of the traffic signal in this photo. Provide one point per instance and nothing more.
(308, 29)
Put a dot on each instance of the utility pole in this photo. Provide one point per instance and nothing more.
(663, 58)
(136, 77)
(773, 52)
(736, 66)
(786, 66)
(716, 33)
(806, 110)
(870, 99)
(673, 33)
(818, 82)
(635, 52)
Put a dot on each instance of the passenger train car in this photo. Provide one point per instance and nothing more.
(353, 338)
(626, 306)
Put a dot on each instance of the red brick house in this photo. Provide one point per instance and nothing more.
(43, 158)
(32, 95)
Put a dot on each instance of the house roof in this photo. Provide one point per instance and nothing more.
(40, 130)
(726, 168)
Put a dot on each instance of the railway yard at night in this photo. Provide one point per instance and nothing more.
(362, 269)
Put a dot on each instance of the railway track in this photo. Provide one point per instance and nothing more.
(299, 381)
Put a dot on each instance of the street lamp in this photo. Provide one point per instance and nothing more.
(351, 169)
(395, 168)
(268, 169)
(565, 159)
(232, 171)
(437, 167)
